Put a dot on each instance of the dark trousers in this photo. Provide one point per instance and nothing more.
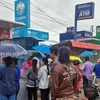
(86, 84)
(32, 91)
(17, 90)
(45, 94)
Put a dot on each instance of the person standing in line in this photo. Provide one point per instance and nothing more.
(96, 69)
(87, 69)
(43, 76)
(15, 65)
(32, 83)
(64, 77)
(77, 65)
(8, 81)
(53, 55)
(22, 94)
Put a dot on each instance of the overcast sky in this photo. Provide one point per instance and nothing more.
(62, 11)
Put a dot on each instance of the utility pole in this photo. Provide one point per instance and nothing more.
(92, 29)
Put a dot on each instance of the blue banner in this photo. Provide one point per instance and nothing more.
(22, 12)
(24, 32)
(84, 11)
(79, 35)
(84, 34)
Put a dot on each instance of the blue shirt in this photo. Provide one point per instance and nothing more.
(18, 76)
(2, 66)
(97, 70)
(8, 81)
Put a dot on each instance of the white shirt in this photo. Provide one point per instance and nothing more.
(43, 78)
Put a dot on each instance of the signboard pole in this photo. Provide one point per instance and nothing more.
(75, 29)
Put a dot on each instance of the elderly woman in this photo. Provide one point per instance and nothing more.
(64, 80)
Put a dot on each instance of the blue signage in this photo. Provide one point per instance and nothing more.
(18, 32)
(24, 32)
(84, 34)
(79, 35)
(22, 12)
(84, 11)
(70, 29)
(66, 36)
(37, 34)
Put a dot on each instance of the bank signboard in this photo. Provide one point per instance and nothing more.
(22, 12)
(24, 32)
(84, 11)
(84, 34)
(79, 35)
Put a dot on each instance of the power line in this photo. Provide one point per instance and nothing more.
(44, 27)
(54, 10)
(48, 15)
(79, 27)
(6, 2)
(6, 6)
(68, 23)
(32, 21)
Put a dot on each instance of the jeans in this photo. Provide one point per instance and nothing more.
(12, 97)
(45, 94)
(32, 91)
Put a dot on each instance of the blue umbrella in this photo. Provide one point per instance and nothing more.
(12, 50)
(43, 48)
(86, 53)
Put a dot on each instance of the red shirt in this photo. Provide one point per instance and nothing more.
(30, 63)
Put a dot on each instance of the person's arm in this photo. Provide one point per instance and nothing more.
(83, 67)
(40, 73)
(55, 82)
(19, 74)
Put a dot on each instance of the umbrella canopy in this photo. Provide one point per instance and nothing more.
(86, 53)
(12, 50)
(43, 48)
(35, 53)
(75, 58)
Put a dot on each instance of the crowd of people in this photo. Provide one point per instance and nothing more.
(59, 79)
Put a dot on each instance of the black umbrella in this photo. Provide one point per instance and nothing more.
(34, 53)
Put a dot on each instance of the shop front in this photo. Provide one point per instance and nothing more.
(28, 38)
(5, 29)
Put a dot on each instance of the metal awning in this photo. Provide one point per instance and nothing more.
(9, 24)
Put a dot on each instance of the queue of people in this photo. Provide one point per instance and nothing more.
(60, 79)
